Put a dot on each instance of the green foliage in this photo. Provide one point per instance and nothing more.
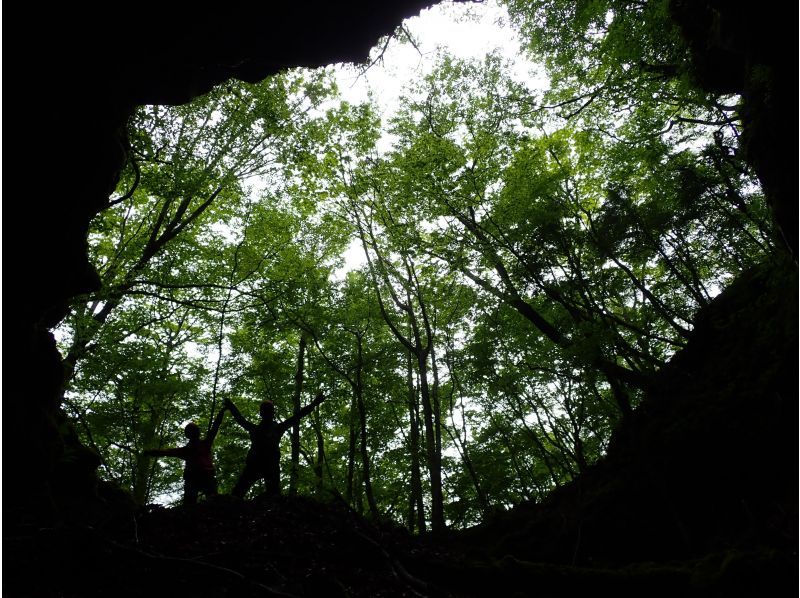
(531, 259)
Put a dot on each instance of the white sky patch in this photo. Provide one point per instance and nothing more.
(226, 232)
(354, 258)
(465, 30)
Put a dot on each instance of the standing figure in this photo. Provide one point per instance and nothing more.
(198, 473)
(264, 457)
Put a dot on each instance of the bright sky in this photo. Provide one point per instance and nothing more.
(465, 30)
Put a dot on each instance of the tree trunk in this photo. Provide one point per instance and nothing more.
(143, 428)
(320, 481)
(141, 479)
(416, 512)
(298, 388)
(362, 419)
(461, 446)
(437, 410)
(433, 457)
(351, 451)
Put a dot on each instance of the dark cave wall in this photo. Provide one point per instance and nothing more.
(703, 466)
(78, 73)
(750, 48)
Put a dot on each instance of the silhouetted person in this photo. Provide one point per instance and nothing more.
(198, 473)
(264, 458)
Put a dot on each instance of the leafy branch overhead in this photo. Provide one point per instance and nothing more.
(529, 259)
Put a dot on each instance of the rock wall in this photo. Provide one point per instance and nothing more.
(750, 49)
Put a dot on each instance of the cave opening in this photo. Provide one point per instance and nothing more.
(536, 265)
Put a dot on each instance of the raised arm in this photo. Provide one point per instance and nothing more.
(212, 433)
(238, 416)
(285, 425)
(179, 452)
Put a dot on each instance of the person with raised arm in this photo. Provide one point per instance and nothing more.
(198, 473)
(264, 457)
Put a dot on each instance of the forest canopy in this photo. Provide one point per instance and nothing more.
(530, 257)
